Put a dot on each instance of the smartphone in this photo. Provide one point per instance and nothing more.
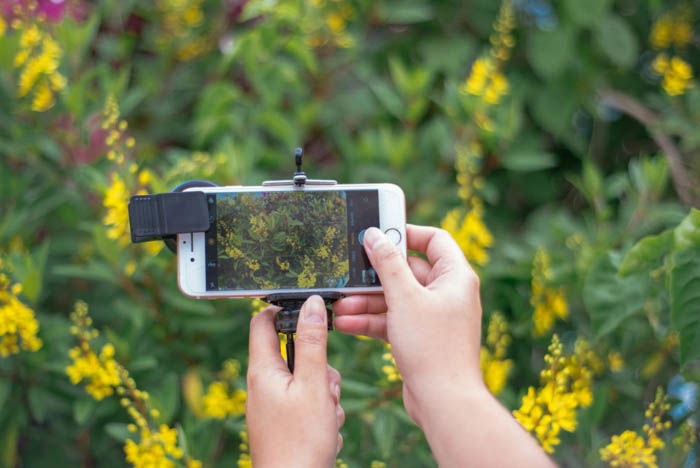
(276, 239)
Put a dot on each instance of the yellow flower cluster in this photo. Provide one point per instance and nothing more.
(38, 59)
(485, 78)
(389, 367)
(687, 437)
(157, 446)
(244, 460)
(676, 73)
(566, 386)
(549, 303)
(115, 201)
(180, 19)
(615, 361)
(219, 401)
(18, 325)
(332, 29)
(629, 449)
(307, 277)
(115, 128)
(674, 28)
(470, 231)
(377, 464)
(101, 371)
(493, 365)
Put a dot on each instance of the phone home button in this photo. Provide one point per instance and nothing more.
(393, 234)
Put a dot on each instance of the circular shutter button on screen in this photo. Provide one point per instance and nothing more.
(394, 235)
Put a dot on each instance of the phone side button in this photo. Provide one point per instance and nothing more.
(393, 234)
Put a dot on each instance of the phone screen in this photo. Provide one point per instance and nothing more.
(302, 239)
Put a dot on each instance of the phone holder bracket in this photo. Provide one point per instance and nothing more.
(162, 216)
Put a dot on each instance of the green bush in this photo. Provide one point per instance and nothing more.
(556, 140)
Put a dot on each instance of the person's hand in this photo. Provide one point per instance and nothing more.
(293, 419)
(430, 313)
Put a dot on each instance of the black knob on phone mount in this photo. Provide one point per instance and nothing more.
(286, 319)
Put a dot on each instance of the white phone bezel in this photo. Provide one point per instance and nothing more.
(191, 252)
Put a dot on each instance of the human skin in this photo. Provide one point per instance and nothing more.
(430, 313)
(293, 419)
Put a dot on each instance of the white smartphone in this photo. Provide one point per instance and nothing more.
(277, 239)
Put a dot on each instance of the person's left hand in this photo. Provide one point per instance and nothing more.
(293, 419)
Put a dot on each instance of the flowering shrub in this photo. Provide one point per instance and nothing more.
(556, 141)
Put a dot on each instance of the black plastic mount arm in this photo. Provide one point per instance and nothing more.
(158, 216)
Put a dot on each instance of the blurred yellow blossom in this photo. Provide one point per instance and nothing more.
(566, 386)
(629, 449)
(549, 303)
(673, 28)
(18, 324)
(179, 23)
(38, 59)
(493, 365)
(687, 437)
(615, 361)
(155, 448)
(220, 401)
(116, 199)
(389, 368)
(677, 74)
(470, 232)
(377, 464)
(244, 460)
(485, 78)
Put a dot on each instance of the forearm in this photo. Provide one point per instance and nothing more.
(471, 428)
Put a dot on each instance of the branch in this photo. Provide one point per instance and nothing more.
(632, 107)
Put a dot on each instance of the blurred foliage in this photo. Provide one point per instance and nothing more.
(557, 140)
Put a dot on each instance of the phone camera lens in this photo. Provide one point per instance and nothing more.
(192, 259)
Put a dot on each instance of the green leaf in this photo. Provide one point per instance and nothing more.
(524, 159)
(616, 39)
(685, 301)
(587, 12)
(404, 12)
(610, 299)
(39, 400)
(5, 389)
(384, 431)
(687, 233)
(118, 431)
(550, 51)
(646, 253)
(83, 408)
(166, 397)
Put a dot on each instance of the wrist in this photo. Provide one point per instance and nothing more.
(437, 400)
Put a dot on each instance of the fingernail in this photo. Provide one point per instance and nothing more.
(336, 391)
(372, 237)
(313, 309)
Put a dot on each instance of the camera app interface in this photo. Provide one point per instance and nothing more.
(289, 239)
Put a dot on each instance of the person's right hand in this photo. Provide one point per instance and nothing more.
(430, 313)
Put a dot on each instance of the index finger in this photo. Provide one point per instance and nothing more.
(436, 243)
(264, 345)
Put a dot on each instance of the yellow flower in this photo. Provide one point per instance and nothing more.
(116, 199)
(3, 26)
(220, 403)
(470, 232)
(377, 464)
(566, 386)
(284, 265)
(38, 57)
(244, 460)
(677, 74)
(493, 365)
(615, 361)
(549, 303)
(157, 448)
(307, 277)
(18, 324)
(629, 449)
(389, 368)
(673, 29)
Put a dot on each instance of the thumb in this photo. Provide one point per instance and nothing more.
(311, 362)
(390, 264)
